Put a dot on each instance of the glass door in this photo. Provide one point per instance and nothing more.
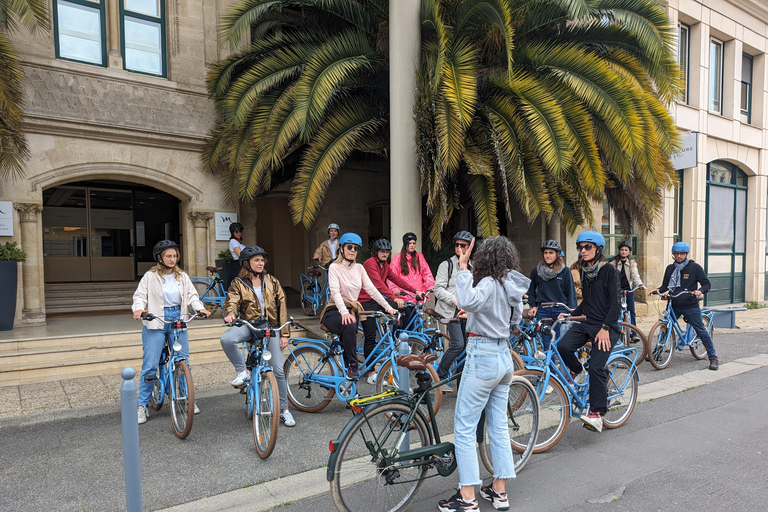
(111, 220)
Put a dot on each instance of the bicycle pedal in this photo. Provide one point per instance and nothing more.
(589, 427)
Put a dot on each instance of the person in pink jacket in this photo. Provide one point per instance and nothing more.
(411, 266)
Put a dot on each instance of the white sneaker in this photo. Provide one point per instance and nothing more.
(287, 419)
(143, 414)
(241, 378)
(445, 388)
(593, 421)
(549, 390)
(371, 379)
(197, 409)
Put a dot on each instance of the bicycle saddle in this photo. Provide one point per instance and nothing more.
(215, 270)
(324, 328)
(432, 312)
(313, 273)
(414, 362)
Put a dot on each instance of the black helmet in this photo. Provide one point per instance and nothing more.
(382, 244)
(463, 235)
(251, 251)
(163, 245)
(552, 244)
(409, 236)
(626, 244)
(235, 226)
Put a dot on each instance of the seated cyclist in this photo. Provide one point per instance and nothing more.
(601, 305)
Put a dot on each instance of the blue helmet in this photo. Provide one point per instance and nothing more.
(592, 236)
(681, 247)
(351, 238)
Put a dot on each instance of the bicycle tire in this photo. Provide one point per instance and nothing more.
(517, 361)
(157, 398)
(249, 394)
(697, 348)
(206, 288)
(622, 391)
(306, 304)
(182, 401)
(523, 422)
(554, 410)
(661, 346)
(303, 395)
(361, 481)
(387, 379)
(626, 334)
(643, 341)
(266, 415)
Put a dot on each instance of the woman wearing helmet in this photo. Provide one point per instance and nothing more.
(326, 251)
(411, 266)
(551, 281)
(345, 280)
(165, 291)
(601, 305)
(629, 278)
(236, 240)
(254, 294)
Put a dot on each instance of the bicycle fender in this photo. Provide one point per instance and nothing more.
(318, 344)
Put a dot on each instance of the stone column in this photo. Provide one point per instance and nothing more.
(114, 57)
(404, 48)
(31, 270)
(200, 221)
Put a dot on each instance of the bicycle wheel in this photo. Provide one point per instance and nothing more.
(158, 394)
(626, 334)
(301, 367)
(662, 339)
(306, 304)
(266, 414)
(182, 400)
(697, 348)
(642, 347)
(206, 289)
(554, 410)
(250, 393)
(362, 479)
(517, 361)
(387, 378)
(523, 421)
(622, 391)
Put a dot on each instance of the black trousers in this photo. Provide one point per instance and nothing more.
(369, 324)
(575, 338)
(348, 334)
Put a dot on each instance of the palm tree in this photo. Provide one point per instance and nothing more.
(548, 104)
(32, 14)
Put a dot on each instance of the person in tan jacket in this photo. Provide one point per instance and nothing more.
(255, 294)
(165, 291)
(327, 251)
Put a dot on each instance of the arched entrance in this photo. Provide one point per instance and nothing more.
(104, 230)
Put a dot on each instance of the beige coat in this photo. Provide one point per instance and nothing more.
(149, 296)
(323, 253)
(633, 276)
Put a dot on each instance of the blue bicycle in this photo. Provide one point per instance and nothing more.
(174, 379)
(211, 290)
(313, 295)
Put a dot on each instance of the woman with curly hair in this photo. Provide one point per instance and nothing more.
(490, 294)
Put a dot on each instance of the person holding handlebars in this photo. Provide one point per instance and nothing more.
(685, 274)
(164, 291)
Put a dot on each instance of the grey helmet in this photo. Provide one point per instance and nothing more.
(249, 252)
(333, 225)
(382, 244)
(163, 245)
(463, 235)
(553, 245)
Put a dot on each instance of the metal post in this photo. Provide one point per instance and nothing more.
(404, 383)
(131, 459)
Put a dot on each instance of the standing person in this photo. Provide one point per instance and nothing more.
(345, 280)
(551, 281)
(165, 291)
(377, 268)
(489, 293)
(685, 274)
(447, 305)
(629, 278)
(255, 294)
(236, 240)
(326, 251)
(411, 266)
(601, 305)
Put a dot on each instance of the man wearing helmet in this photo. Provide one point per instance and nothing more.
(326, 252)
(685, 274)
(601, 306)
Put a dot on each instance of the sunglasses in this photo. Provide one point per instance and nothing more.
(463, 246)
(584, 247)
(352, 248)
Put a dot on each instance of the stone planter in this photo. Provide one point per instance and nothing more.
(8, 279)
(231, 269)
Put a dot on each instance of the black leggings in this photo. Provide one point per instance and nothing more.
(348, 334)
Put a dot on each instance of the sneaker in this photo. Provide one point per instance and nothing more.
(635, 339)
(197, 409)
(579, 378)
(143, 414)
(593, 421)
(445, 388)
(456, 504)
(371, 378)
(352, 372)
(241, 378)
(499, 501)
(287, 418)
(714, 364)
(548, 391)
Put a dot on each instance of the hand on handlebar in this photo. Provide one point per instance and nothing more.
(399, 302)
(204, 312)
(140, 313)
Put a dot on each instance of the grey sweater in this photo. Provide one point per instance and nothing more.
(489, 305)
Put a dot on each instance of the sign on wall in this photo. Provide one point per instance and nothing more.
(686, 157)
(6, 218)
(223, 220)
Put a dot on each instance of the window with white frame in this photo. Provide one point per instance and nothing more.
(683, 56)
(716, 76)
(746, 88)
(611, 230)
(143, 36)
(80, 31)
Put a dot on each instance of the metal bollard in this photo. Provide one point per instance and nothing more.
(404, 383)
(131, 456)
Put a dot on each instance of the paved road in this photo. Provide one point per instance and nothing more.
(76, 464)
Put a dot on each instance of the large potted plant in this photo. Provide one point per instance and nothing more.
(231, 267)
(10, 255)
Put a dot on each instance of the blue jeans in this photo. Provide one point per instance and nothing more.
(153, 341)
(485, 385)
(551, 312)
(693, 318)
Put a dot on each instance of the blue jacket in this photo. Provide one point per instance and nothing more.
(559, 289)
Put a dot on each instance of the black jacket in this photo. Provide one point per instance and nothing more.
(602, 298)
(692, 277)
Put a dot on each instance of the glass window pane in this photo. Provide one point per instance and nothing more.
(715, 75)
(79, 32)
(148, 7)
(682, 57)
(720, 235)
(741, 220)
(746, 68)
(143, 46)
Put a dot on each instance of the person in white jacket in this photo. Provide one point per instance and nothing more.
(165, 291)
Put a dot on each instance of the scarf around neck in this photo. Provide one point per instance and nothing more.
(674, 281)
(589, 274)
(546, 273)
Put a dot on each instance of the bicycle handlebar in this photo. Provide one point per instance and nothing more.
(667, 296)
(240, 323)
(149, 317)
(556, 305)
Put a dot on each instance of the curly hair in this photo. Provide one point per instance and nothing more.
(495, 257)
